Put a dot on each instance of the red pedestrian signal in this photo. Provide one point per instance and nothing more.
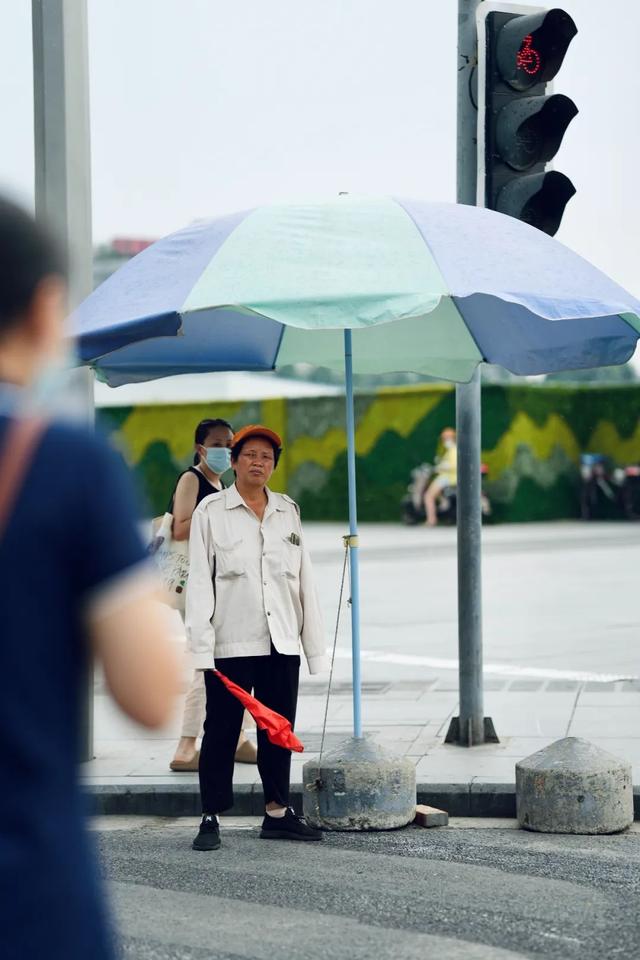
(528, 58)
(521, 123)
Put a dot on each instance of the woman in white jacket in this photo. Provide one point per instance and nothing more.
(212, 458)
(251, 603)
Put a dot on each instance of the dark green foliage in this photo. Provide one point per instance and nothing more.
(384, 472)
(330, 503)
(157, 474)
(110, 419)
(497, 414)
(619, 405)
(422, 442)
(531, 502)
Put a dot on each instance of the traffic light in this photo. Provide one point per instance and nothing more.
(521, 123)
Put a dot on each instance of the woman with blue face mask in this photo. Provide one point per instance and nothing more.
(211, 461)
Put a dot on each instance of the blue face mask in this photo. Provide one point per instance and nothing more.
(218, 459)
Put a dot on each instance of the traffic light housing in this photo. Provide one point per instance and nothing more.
(521, 123)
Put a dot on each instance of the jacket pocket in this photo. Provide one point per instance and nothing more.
(291, 559)
(229, 560)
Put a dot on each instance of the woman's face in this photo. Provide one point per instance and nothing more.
(255, 463)
(217, 437)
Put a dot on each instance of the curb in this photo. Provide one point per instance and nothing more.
(472, 799)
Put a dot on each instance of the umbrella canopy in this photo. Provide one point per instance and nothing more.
(277, 727)
(431, 288)
(378, 285)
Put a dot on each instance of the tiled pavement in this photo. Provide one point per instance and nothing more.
(409, 718)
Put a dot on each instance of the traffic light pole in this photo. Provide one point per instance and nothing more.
(466, 111)
(63, 186)
(470, 727)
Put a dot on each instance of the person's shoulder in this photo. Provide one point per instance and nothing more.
(81, 463)
(212, 502)
(285, 502)
(77, 442)
(188, 480)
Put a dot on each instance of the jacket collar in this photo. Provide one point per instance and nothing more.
(232, 497)
(233, 500)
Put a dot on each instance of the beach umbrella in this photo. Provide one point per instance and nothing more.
(371, 285)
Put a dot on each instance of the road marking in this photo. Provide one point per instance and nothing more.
(497, 669)
(559, 936)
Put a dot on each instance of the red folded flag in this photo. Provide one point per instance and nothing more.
(277, 727)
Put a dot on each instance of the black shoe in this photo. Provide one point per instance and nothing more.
(289, 827)
(208, 835)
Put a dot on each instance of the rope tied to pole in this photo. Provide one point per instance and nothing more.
(317, 784)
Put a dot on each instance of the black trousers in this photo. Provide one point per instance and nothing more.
(274, 681)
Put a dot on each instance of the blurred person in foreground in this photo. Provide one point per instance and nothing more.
(446, 475)
(212, 459)
(75, 583)
(251, 603)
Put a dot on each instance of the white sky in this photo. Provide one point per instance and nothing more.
(205, 106)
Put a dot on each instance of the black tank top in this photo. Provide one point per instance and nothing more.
(205, 488)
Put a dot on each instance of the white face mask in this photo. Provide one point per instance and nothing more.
(449, 443)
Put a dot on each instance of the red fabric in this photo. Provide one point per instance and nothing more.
(277, 727)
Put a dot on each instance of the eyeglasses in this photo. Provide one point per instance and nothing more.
(254, 456)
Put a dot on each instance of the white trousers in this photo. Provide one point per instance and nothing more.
(195, 707)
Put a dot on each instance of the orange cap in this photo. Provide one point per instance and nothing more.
(256, 430)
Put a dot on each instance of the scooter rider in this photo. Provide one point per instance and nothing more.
(446, 475)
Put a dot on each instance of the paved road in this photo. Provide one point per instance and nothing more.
(485, 893)
(561, 597)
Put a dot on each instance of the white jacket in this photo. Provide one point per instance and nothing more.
(250, 583)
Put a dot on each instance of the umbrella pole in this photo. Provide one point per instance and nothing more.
(358, 786)
(354, 557)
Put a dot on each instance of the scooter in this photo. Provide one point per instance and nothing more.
(596, 486)
(413, 511)
(627, 479)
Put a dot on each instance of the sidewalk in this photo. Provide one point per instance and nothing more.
(130, 773)
(554, 668)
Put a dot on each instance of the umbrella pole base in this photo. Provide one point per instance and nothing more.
(464, 738)
(359, 786)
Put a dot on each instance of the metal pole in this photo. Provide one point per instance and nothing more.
(466, 112)
(471, 722)
(353, 538)
(63, 180)
(470, 728)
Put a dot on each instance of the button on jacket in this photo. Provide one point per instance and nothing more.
(250, 583)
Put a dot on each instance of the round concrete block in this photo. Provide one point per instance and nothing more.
(359, 786)
(573, 786)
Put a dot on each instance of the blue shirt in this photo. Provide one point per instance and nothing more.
(72, 530)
